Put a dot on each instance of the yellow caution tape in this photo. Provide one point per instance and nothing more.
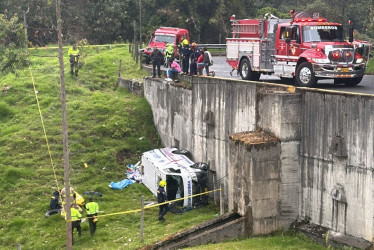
(152, 206)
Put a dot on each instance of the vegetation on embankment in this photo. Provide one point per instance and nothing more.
(370, 67)
(108, 129)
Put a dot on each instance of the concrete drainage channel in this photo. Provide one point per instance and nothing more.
(224, 227)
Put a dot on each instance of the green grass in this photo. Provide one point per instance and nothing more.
(370, 67)
(105, 125)
(104, 122)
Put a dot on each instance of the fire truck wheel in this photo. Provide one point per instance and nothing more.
(353, 81)
(147, 60)
(246, 72)
(305, 76)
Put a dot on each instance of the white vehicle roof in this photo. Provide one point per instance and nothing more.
(168, 162)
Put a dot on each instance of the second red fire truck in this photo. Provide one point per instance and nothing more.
(300, 50)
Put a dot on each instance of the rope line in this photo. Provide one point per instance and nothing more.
(151, 206)
(45, 133)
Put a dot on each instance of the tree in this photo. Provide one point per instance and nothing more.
(13, 44)
(109, 21)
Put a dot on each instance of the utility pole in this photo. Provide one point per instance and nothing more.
(140, 21)
(69, 235)
(134, 32)
(24, 20)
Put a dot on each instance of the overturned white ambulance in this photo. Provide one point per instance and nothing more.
(183, 177)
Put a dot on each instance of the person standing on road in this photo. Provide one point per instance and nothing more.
(185, 51)
(161, 198)
(194, 55)
(92, 209)
(204, 60)
(156, 58)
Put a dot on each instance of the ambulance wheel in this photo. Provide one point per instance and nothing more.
(353, 81)
(305, 76)
(246, 72)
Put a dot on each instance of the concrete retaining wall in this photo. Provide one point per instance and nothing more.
(325, 150)
(337, 162)
(255, 180)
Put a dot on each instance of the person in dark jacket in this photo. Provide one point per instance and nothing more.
(194, 55)
(156, 58)
(54, 204)
(185, 51)
(161, 198)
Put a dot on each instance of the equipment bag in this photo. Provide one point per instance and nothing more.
(210, 58)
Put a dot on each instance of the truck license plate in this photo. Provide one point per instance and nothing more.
(344, 70)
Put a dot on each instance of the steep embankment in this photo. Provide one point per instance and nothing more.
(108, 129)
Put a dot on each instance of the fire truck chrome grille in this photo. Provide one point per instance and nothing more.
(341, 56)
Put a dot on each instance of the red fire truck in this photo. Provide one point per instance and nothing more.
(300, 50)
(163, 36)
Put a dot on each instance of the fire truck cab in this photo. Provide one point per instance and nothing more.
(163, 36)
(300, 50)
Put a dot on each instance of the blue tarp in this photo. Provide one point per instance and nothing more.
(122, 184)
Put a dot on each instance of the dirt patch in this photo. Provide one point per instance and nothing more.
(182, 84)
(257, 137)
(263, 90)
(122, 155)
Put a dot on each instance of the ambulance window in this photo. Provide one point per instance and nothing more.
(173, 170)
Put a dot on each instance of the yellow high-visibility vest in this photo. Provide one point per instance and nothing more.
(92, 208)
(75, 214)
(73, 52)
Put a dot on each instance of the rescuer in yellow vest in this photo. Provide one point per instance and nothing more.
(92, 209)
(73, 54)
(72, 194)
(75, 220)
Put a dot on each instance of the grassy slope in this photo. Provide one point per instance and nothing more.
(105, 127)
(370, 68)
(102, 122)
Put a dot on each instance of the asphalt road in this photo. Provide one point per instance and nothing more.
(366, 86)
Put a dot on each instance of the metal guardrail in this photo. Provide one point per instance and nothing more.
(209, 46)
(212, 46)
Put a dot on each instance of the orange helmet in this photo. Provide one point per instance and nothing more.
(194, 44)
